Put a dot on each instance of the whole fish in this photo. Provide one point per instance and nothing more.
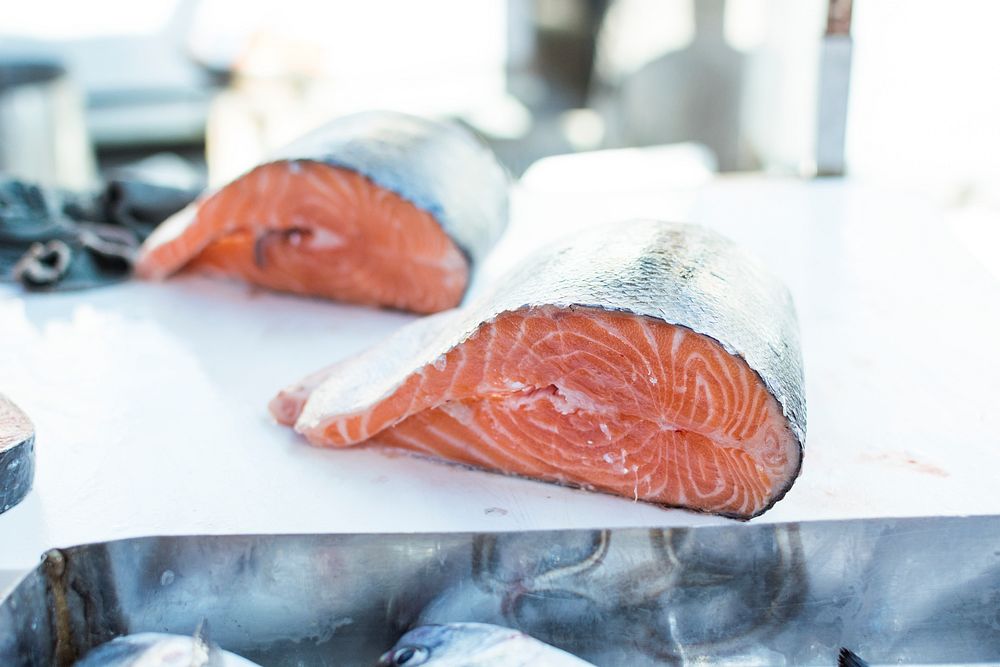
(474, 645)
(154, 649)
(655, 361)
(376, 208)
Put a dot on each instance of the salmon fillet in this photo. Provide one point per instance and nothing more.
(578, 389)
(355, 212)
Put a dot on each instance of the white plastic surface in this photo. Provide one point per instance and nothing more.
(150, 399)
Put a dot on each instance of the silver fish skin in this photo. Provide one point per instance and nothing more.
(682, 274)
(153, 649)
(474, 645)
(439, 166)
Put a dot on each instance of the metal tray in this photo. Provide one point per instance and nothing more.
(920, 591)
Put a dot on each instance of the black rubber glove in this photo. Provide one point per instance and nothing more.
(56, 240)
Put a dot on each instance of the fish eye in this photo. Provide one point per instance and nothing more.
(410, 656)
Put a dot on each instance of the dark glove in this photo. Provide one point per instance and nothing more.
(52, 239)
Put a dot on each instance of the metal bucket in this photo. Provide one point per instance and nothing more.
(43, 135)
(899, 590)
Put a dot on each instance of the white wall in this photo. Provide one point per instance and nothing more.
(925, 99)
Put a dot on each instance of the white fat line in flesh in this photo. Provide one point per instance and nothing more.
(677, 468)
(465, 416)
(267, 205)
(458, 444)
(747, 413)
(338, 183)
(605, 431)
(737, 488)
(276, 198)
(735, 376)
(748, 387)
(323, 239)
(263, 177)
(763, 410)
(457, 370)
(742, 486)
(445, 262)
(654, 464)
(703, 396)
(675, 345)
(693, 375)
(615, 334)
(654, 347)
(380, 195)
(535, 458)
(728, 400)
(342, 429)
(535, 451)
(529, 457)
(330, 207)
(460, 412)
(740, 491)
(763, 401)
(678, 387)
(321, 189)
(703, 470)
(529, 350)
(230, 224)
(365, 420)
(488, 357)
(452, 261)
(416, 444)
(544, 425)
(417, 391)
(594, 343)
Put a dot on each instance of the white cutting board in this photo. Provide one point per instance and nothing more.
(150, 399)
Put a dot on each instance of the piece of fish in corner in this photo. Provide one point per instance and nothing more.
(377, 208)
(17, 454)
(655, 361)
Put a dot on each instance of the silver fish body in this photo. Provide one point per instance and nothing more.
(153, 649)
(440, 167)
(681, 274)
(474, 645)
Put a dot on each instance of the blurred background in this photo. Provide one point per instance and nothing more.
(889, 91)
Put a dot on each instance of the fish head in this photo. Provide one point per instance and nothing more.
(452, 644)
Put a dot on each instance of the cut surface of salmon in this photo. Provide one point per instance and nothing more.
(325, 223)
(581, 390)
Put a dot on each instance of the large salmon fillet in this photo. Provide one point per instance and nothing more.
(649, 360)
(377, 208)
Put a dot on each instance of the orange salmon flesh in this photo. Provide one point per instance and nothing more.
(615, 402)
(317, 230)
